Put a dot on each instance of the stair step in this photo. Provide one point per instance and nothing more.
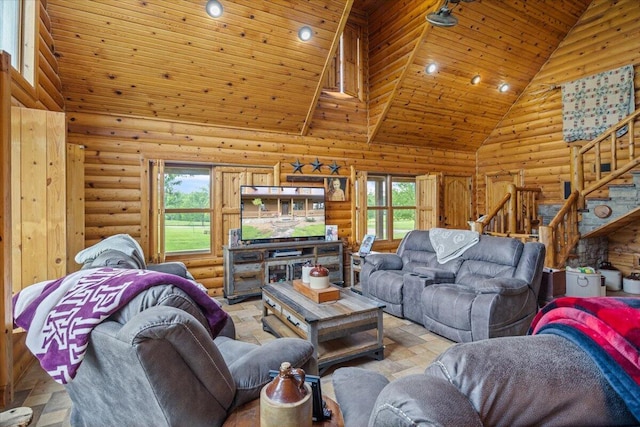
(620, 185)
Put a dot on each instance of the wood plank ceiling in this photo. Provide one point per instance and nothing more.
(168, 59)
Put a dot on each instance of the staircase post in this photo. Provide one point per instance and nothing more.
(545, 236)
(512, 227)
(577, 174)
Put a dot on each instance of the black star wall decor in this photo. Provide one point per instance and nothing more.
(317, 166)
(335, 169)
(297, 166)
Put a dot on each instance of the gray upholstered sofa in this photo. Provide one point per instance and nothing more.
(155, 363)
(540, 380)
(490, 290)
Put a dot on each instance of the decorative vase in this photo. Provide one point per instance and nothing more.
(306, 271)
(319, 277)
(286, 401)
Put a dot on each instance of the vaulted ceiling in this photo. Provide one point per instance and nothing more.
(248, 70)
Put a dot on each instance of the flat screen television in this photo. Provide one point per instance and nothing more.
(273, 214)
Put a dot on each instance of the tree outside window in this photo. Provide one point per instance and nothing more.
(187, 209)
(391, 206)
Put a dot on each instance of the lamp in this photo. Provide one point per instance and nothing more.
(503, 87)
(431, 68)
(214, 8)
(476, 79)
(305, 33)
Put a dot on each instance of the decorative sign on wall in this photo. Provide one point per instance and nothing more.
(317, 166)
(592, 104)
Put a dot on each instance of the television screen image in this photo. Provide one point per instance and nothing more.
(281, 213)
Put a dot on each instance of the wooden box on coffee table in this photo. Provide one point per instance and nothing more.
(317, 295)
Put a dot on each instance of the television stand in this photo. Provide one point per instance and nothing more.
(248, 268)
(286, 252)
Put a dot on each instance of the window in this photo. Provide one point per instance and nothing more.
(345, 73)
(189, 216)
(17, 34)
(187, 207)
(390, 206)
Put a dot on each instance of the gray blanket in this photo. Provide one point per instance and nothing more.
(120, 250)
(450, 244)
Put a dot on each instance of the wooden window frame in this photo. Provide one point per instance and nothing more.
(385, 208)
(24, 60)
(338, 79)
(226, 180)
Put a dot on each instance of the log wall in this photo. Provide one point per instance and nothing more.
(115, 149)
(529, 138)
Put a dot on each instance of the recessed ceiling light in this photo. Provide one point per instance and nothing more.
(305, 33)
(476, 79)
(214, 8)
(503, 87)
(431, 68)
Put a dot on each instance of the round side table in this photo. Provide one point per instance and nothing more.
(248, 415)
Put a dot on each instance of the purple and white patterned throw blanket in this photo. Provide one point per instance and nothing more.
(59, 315)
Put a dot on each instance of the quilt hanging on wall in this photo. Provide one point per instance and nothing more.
(593, 104)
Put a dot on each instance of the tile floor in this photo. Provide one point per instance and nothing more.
(409, 348)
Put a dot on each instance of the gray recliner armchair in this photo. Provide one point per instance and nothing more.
(155, 363)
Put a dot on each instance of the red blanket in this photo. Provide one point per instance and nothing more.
(606, 328)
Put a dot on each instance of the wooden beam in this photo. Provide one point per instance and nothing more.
(426, 28)
(325, 69)
(6, 342)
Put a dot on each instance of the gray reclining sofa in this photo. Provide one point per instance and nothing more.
(540, 380)
(490, 290)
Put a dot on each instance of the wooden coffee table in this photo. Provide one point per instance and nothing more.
(339, 330)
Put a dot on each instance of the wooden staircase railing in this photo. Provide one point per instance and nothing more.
(561, 235)
(587, 176)
(516, 215)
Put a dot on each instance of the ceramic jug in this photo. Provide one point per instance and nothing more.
(319, 277)
(286, 401)
(306, 270)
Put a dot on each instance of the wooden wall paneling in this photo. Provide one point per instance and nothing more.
(227, 210)
(56, 202)
(33, 190)
(329, 59)
(624, 248)
(38, 157)
(530, 137)
(6, 314)
(75, 204)
(408, 46)
(16, 211)
(145, 206)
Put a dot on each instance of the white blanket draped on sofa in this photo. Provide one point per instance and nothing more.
(450, 244)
